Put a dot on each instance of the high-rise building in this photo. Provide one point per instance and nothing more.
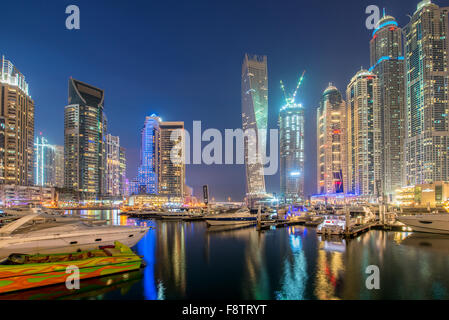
(172, 165)
(427, 95)
(363, 135)
(44, 164)
(291, 125)
(160, 173)
(84, 130)
(123, 186)
(291, 149)
(331, 144)
(16, 127)
(59, 166)
(387, 63)
(148, 171)
(113, 170)
(255, 119)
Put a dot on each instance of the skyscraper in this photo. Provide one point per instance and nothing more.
(291, 149)
(158, 174)
(172, 167)
(291, 125)
(123, 187)
(363, 135)
(84, 130)
(427, 95)
(59, 166)
(16, 127)
(113, 173)
(255, 118)
(44, 164)
(148, 171)
(387, 63)
(331, 134)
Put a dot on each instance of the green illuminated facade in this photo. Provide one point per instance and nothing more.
(255, 117)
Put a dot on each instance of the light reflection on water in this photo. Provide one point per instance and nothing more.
(186, 260)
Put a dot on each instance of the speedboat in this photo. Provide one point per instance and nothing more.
(240, 217)
(430, 223)
(32, 234)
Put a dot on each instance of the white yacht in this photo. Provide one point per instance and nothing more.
(241, 217)
(345, 219)
(430, 223)
(33, 233)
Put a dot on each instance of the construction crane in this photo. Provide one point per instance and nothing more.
(291, 100)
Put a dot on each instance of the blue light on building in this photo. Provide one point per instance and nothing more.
(384, 25)
(148, 171)
(44, 163)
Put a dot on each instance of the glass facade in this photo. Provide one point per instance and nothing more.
(84, 131)
(291, 125)
(148, 171)
(44, 163)
(427, 95)
(387, 62)
(255, 119)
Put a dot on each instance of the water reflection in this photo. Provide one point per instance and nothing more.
(330, 268)
(188, 260)
(294, 277)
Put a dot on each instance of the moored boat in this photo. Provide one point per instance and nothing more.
(31, 235)
(428, 223)
(21, 271)
(240, 217)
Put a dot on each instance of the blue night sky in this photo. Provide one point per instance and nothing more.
(182, 60)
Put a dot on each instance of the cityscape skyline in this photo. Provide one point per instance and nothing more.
(195, 173)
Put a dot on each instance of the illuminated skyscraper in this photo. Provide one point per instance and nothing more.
(172, 169)
(363, 135)
(44, 164)
(113, 173)
(331, 144)
(16, 127)
(123, 187)
(255, 118)
(291, 148)
(59, 166)
(148, 171)
(427, 95)
(84, 130)
(291, 125)
(387, 62)
(158, 173)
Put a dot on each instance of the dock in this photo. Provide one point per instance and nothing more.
(280, 223)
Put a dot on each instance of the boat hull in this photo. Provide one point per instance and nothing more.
(427, 224)
(28, 276)
(60, 243)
